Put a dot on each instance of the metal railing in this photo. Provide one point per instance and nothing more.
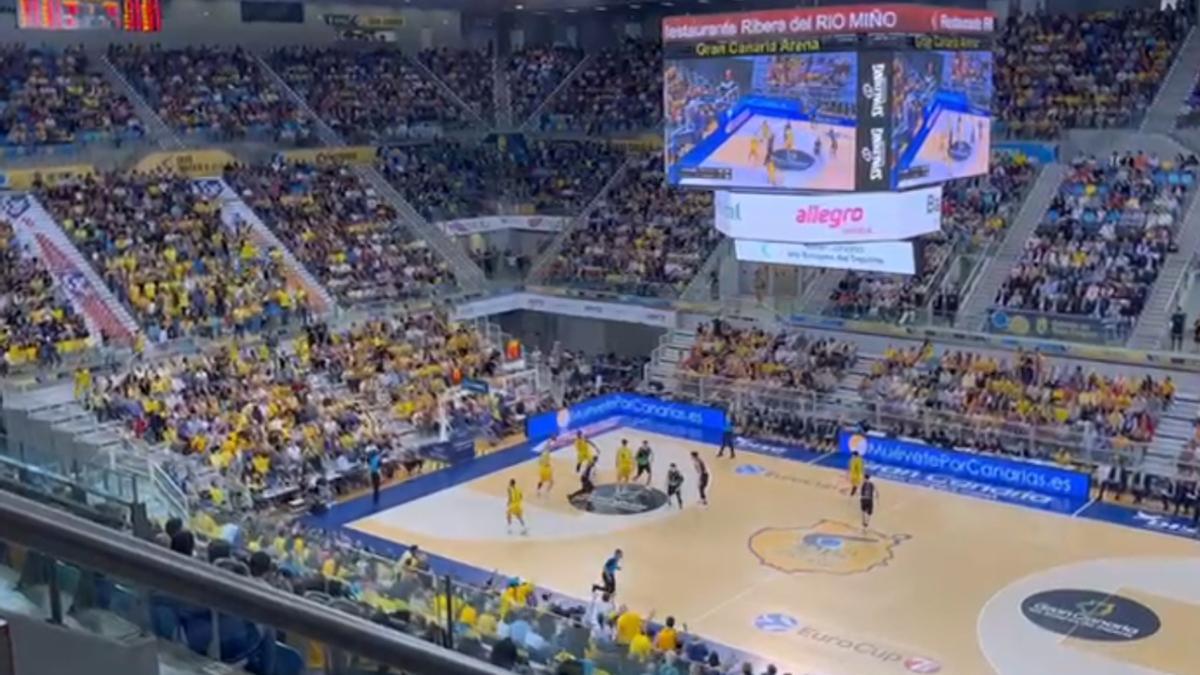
(163, 573)
(1081, 441)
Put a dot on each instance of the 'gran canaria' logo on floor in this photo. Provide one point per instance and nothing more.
(828, 546)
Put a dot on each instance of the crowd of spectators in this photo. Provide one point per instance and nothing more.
(1101, 244)
(218, 94)
(367, 96)
(783, 359)
(534, 72)
(447, 179)
(911, 383)
(644, 239)
(618, 91)
(976, 212)
(1057, 71)
(507, 621)
(341, 230)
(54, 97)
(468, 72)
(281, 419)
(36, 320)
(161, 246)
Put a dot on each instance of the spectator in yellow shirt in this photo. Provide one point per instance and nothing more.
(667, 639)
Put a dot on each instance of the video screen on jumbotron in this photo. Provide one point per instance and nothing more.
(762, 121)
(941, 116)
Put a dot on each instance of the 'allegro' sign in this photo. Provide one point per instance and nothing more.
(829, 219)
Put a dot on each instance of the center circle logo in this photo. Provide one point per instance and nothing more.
(620, 499)
(750, 470)
(1091, 615)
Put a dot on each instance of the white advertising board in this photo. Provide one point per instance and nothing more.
(829, 219)
(892, 257)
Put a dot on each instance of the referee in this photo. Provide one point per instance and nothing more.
(727, 437)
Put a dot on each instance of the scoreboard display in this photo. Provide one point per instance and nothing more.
(835, 99)
(140, 16)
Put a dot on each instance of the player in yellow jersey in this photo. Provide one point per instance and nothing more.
(516, 507)
(624, 462)
(584, 450)
(545, 471)
(772, 173)
(789, 137)
(755, 149)
(856, 472)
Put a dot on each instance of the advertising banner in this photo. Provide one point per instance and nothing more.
(891, 257)
(37, 231)
(874, 121)
(466, 226)
(350, 154)
(194, 163)
(547, 424)
(829, 219)
(1054, 326)
(884, 18)
(585, 309)
(22, 179)
(1041, 478)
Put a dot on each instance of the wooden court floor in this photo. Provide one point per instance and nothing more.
(778, 566)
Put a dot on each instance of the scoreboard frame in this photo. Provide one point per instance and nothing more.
(875, 33)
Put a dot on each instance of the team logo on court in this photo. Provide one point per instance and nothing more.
(620, 499)
(1091, 615)
(828, 546)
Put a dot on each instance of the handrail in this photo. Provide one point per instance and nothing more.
(68, 537)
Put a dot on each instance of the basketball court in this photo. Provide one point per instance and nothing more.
(957, 144)
(779, 567)
(829, 169)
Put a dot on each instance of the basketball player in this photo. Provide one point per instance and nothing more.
(583, 451)
(586, 485)
(833, 138)
(545, 471)
(624, 462)
(867, 500)
(772, 174)
(789, 137)
(856, 472)
(817, 147)
(645, 459)
(769, 139)
(702, 472)
(674, 485)
(516, 507)
(755, 150)
(608, 575)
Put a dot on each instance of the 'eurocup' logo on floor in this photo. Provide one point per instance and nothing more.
(828, 546)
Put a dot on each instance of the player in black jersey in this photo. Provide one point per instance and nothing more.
(702, 473)
(675, 485)
(644, 459)
(867, 501)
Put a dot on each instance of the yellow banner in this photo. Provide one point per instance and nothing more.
(350, 154)
(644, 143)
(22, 179)
(194, 163)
